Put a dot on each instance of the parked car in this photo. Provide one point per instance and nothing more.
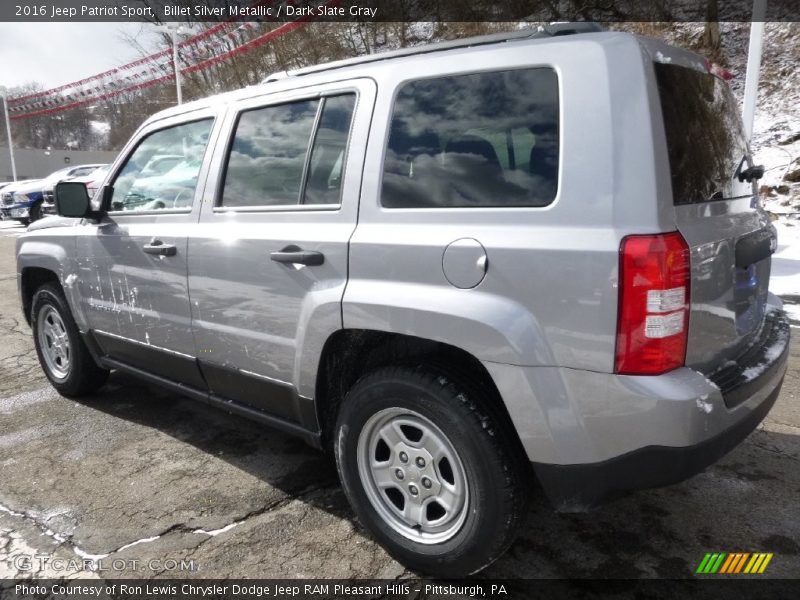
(3, 185)
(21, 200)
(51, 180)
(173, 188)
(457, 267)
(160, 164)
(89, 172)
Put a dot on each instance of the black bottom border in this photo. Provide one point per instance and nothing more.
(744, 587)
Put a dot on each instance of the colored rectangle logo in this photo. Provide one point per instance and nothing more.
(734, 563)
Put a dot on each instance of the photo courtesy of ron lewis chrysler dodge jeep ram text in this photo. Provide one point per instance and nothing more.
(460, 268)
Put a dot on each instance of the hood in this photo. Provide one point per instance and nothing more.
(54, 178)
(51, 180)
(99, 173)
(17, 186)
(53, 221)
(27, 187)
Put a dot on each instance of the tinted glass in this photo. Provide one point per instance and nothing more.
(324, 180)
(704, 135)
(485, 139)
(136, 189)
(268, 154)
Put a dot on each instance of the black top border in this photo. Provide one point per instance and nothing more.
(280, 11)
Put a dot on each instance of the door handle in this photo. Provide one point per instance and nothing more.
(160, 248)
(295, 255)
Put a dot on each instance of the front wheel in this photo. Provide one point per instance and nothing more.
(429, 472)
(63, 355)
(35, 212)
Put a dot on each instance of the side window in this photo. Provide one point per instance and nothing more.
(476, 140)
(324, 180)
(269, 162)
(139, 187)
(268, 154)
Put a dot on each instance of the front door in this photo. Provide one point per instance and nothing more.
(133, 266)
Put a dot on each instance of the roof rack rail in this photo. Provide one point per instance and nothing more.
(570, 27)
(543, 31)
(276, 76)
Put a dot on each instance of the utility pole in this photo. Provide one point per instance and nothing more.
(753, 66)
(174, 30)
(4, 94)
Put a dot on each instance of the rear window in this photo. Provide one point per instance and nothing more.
(705, 140)
(477, 140)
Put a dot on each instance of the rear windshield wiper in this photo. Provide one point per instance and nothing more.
(755, 172)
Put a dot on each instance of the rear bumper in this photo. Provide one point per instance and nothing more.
(593, 436)
(578, 487)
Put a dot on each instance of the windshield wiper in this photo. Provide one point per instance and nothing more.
(755, 172)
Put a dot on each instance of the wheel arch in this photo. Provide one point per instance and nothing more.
(349, 354)
(31, 279)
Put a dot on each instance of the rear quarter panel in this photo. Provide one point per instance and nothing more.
(549, 296)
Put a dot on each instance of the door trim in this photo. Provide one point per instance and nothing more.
(154, 359)
(313, 438)
(258, 392)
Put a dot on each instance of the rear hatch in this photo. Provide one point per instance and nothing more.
(716, 211)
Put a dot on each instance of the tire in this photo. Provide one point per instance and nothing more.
(67, 364)
(476, 470)
(35, 212)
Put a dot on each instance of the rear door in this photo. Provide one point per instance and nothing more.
(268, 262)
(716, 211)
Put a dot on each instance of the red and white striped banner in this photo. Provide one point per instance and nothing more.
(213, 46)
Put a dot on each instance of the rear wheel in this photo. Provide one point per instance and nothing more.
(63, 355)
(428, 472)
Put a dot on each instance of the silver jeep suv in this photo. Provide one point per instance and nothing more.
(460, 268)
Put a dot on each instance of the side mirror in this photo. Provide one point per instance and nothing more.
(72, 200)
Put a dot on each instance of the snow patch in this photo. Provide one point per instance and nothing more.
(793, 310)
(660, 57)
(216, 532)
(785, 275)
(704, 406)
(7, 510)
(137, 542)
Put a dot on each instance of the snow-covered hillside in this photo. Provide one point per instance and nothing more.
(776, 145)
(776, 132)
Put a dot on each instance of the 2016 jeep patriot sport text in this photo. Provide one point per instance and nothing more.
(454, 266)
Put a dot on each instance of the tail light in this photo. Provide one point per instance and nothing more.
(653, 320)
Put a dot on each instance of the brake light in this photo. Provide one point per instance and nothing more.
(653, 320)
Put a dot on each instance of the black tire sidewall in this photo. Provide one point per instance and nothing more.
(461, 554)
(76, 380)
(35, 212)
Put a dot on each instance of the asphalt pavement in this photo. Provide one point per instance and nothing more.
(140, 482)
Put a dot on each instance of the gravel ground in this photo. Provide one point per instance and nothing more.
(146, 479)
